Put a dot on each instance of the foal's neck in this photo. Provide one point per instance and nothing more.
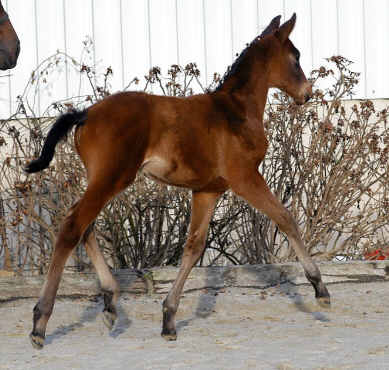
(252, 95)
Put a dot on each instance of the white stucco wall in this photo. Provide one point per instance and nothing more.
(133, 35)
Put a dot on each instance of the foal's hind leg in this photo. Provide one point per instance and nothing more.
(253, 188)
(75, 224)
(203, 205)
(109, 285)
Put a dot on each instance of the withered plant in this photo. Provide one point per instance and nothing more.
(327, 161)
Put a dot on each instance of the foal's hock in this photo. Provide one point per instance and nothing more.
(208, 143)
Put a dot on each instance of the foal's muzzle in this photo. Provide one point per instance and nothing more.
(306, 94)
(8, 59)
(307, 97)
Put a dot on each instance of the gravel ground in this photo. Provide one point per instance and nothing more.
(231, 328)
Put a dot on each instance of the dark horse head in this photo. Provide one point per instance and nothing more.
(271, 55)
(286, 73)
(9, 42)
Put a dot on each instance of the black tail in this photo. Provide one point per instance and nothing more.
(59, 129)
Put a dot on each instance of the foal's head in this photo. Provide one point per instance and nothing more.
(285, 71)
(9, 42)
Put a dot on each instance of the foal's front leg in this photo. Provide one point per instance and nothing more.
(203, 205)
(252, 187)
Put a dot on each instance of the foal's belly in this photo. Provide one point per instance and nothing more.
(171, 172)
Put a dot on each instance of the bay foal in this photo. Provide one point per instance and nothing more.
(9, 42)
(208, 143)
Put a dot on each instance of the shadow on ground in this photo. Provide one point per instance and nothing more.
(205, 305)
(90, 314)
(207, 300)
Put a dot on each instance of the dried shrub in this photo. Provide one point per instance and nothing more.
(327, 162)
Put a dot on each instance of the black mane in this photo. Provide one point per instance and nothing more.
(232, 69)
(235, 67)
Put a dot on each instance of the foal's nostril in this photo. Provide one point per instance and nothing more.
(307, 97)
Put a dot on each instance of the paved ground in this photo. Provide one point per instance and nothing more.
(232, 328)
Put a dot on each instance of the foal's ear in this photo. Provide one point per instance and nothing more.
(273, 26)
(285, 30)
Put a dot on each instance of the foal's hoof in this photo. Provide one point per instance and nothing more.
(37, 340)
(109, 319)
(169, 336)
(324, 302)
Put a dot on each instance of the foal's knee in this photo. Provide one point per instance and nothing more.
(287, 224)
(194, 245)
